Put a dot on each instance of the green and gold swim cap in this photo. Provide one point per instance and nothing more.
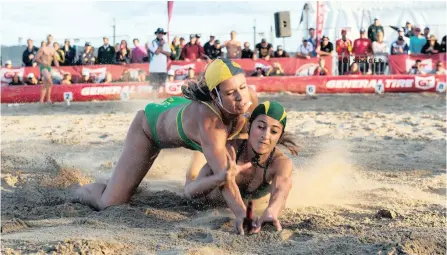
(272, 109)
(220, 70)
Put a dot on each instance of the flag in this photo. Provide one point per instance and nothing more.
(170, 8)
(320, 20)
(305, 8)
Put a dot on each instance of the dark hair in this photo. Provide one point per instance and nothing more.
(288, 140)
(418, 61)
(198, 90)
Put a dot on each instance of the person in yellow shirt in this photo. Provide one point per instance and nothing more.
(60, 56)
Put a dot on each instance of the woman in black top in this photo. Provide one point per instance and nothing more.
(16, 81)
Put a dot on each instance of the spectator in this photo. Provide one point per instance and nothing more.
(263, 49)
(280, 53)
(141, 76)
(122, 57)
(374, 29)
(182, 42)
(216, 50)
(321, 69)
(139, 52)
(60, 57)
(313, 40)
(431, 47)
(106, 53)
(117, 47)
(67, 79)
(401, 32)
(191, 74)
(417, 68)
(192, 50)
(275, 70)
(29, 54)
(362, 49)
(247, 52)
(305, 50)
(233, 46)
(8, 64)
(408, 30)
(443, 44)
(207, 46)
(69, 52)
(380, 50)
(86, 78)
(176, 49)
(123, 45)
(354, 69)
(158, 60)
(427, 33)
(400, 46)
(50, 40)
(16, 80)
(259, 72)
(171, 75)
(344, 51)
(87, 57)
(326, 47)
(198, 40)
(417, 41)
(439, 68)
(31, 79)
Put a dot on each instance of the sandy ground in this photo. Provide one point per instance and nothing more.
(360, 154)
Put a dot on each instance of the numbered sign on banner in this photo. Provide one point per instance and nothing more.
(311, 90)
(68, 96)
(440, 88)
(124, 95)
(380, 88)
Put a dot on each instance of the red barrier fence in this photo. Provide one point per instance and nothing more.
(290, 66)
(323, 84)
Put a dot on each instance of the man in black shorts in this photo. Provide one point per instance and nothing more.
(159, 52)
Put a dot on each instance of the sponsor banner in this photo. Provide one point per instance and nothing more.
(291, 67)
(322, 85)
(401, 64)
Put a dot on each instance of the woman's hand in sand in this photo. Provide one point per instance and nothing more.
(268, 217)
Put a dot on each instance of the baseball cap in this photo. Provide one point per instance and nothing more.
(279, 47)
(192, 36)
(8, 62)
(417, 29)
(85, 73)
(88, 44)
(198, 35)
(362, 30)
(217, 42)
(160, 31)
(426, 28)
(263, 40)
(30, 75)
(324, 37)
(171, 72)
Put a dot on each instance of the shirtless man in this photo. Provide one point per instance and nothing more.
(233, 46)
(44, 57)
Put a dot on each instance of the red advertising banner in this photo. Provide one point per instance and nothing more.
(291, 67)
(401, 64)
(323, 85)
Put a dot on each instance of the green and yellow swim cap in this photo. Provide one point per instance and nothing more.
(220, 70)
(272, 109)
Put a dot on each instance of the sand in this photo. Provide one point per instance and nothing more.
(370, 179)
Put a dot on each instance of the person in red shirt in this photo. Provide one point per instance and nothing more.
(344, 51)
(362, 49)
(192, 51)
(321, 70)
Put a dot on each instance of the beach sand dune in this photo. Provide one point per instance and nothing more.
(370, 179)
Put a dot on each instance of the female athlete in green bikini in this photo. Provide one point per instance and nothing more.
(270, 172)
(215, 112)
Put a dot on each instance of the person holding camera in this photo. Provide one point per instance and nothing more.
(417, 68)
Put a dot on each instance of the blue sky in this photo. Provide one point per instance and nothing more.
(90, 20)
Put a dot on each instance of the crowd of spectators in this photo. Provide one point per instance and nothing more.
(367, 54)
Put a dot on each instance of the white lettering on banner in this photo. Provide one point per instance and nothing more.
(7, 74)
(114, 90)
(181, 71)
(363, 83)
(424, 83)
(98, 74)
(174, 88)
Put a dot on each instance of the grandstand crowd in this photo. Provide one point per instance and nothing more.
(364, 55)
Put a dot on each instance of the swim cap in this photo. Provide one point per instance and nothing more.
(272, 109)
(220, 70)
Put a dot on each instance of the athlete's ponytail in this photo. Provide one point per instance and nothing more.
(288, 140)
(197, 90)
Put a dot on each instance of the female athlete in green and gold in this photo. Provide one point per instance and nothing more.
(270, 173)
(211, 112)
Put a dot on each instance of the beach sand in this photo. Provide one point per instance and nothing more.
(370, 179)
